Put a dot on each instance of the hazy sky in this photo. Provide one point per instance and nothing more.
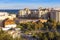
(19, 4)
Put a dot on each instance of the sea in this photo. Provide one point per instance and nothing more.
(10, 11)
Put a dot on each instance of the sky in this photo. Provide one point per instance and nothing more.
(33, 4)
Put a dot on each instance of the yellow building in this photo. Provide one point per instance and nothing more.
(43, 20)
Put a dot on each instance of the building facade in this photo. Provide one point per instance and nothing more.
(34, 13)
(3, 15)
(55, 15)
(24, 13)
(43, 13)
(13, 15)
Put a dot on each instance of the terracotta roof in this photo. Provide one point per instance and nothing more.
(9, 21)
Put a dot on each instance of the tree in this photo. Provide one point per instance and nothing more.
(51, 35)
(54, 25)
(19, 26)
(45, 38)
(5, 36)
(40, 35)
(57, 35)
(39, 26)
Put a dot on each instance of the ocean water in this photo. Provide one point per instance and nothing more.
(14, 10)
(10, 11)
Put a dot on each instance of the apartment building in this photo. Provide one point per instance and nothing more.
(43, 13)
(34, 13)
(55, 15)
(24, 13)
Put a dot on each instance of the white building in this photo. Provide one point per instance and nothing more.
(43, 13)
(3, 15)
(5, 29)
(24, 13)
(10, 26)
(58, 16)
(27, 10)
(13, 15)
